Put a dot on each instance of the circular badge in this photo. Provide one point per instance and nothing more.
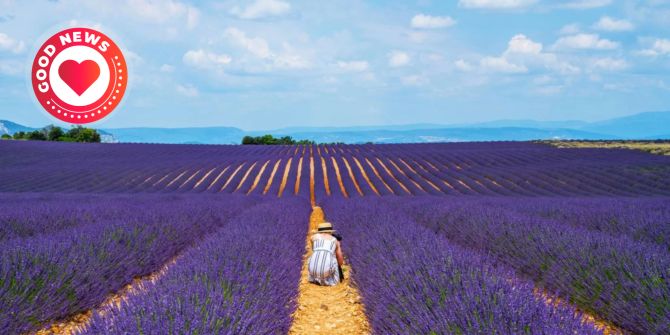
(79, 75)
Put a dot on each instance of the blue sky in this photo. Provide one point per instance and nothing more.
(266, 64)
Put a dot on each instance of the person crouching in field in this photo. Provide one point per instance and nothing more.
(326, 260)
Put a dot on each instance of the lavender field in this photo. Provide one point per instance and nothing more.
(463, 238)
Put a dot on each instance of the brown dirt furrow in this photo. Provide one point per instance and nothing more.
(374, 170)
(231, 177)
(605, 326)
(203, 178)
(409, 167)
(148, 179)
(284, 179)
(161, 180)
(420, 176)
(331, 310)
(351, 175)
(365, 175)
(420, 165)
(325, 176)
(405, 174)
(218, 177)
(79, 322)
(245, 176)
(298, 176)
(189, 178)
(388, 171)
(177, 178)
(312, 197)
(272, 177)
(258, 177)
(431, 165)
(339, 177)
(465, 185)
(449, 185)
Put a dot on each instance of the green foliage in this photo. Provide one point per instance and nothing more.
(54, 133)
(271, 140)
(57, 134)
(36, 135)
(6, 137)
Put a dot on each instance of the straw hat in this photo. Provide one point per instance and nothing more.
(324, 227)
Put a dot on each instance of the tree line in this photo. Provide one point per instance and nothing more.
(271, 140)
(57, 134)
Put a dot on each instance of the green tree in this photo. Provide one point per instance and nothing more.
(36, 135)
(6, 137)
(55, 133)
(81, 134)
(19, 135)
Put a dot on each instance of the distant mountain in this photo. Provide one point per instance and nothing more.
(651, 125)
(8, 127)
(448, 135)
(208, 135)
(643, 125)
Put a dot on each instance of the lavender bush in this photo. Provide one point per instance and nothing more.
(416, 282)
(51, 276)
(615, 277)
(242, 279)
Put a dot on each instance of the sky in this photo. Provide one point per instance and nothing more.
(266, 64)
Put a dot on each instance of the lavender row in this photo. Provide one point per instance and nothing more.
(240, 280)
(643, 219)
(48, 277)
(415, 282)
(615, 277)
(454, 168)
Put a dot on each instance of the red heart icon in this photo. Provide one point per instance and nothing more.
(79, 76)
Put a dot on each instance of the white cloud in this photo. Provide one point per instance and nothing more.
(658, 48)
(261, 9)
(522, 44)
(9, 44)
(607, 23)
(206, 60)
(398, 59)
(188, 90)
(585, 41)
(414, 80)
(260, 48)
(167, 68)
(160, 11)
(570, 29)
(610, 64)
(463, 65)
(586, 4)
(500, 64)
(496, 4)
(521, 54)
(353, 66)
(421, 21)
(257, 46)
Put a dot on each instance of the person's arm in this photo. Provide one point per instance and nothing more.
(338, 254)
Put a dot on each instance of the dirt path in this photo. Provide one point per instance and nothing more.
(605, 326)
(80, 322)
(327, 310)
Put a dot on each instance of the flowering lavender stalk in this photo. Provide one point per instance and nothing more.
(242, 279)
(416, 282)
(48, 277)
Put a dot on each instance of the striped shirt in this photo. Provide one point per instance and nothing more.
(323, 263)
